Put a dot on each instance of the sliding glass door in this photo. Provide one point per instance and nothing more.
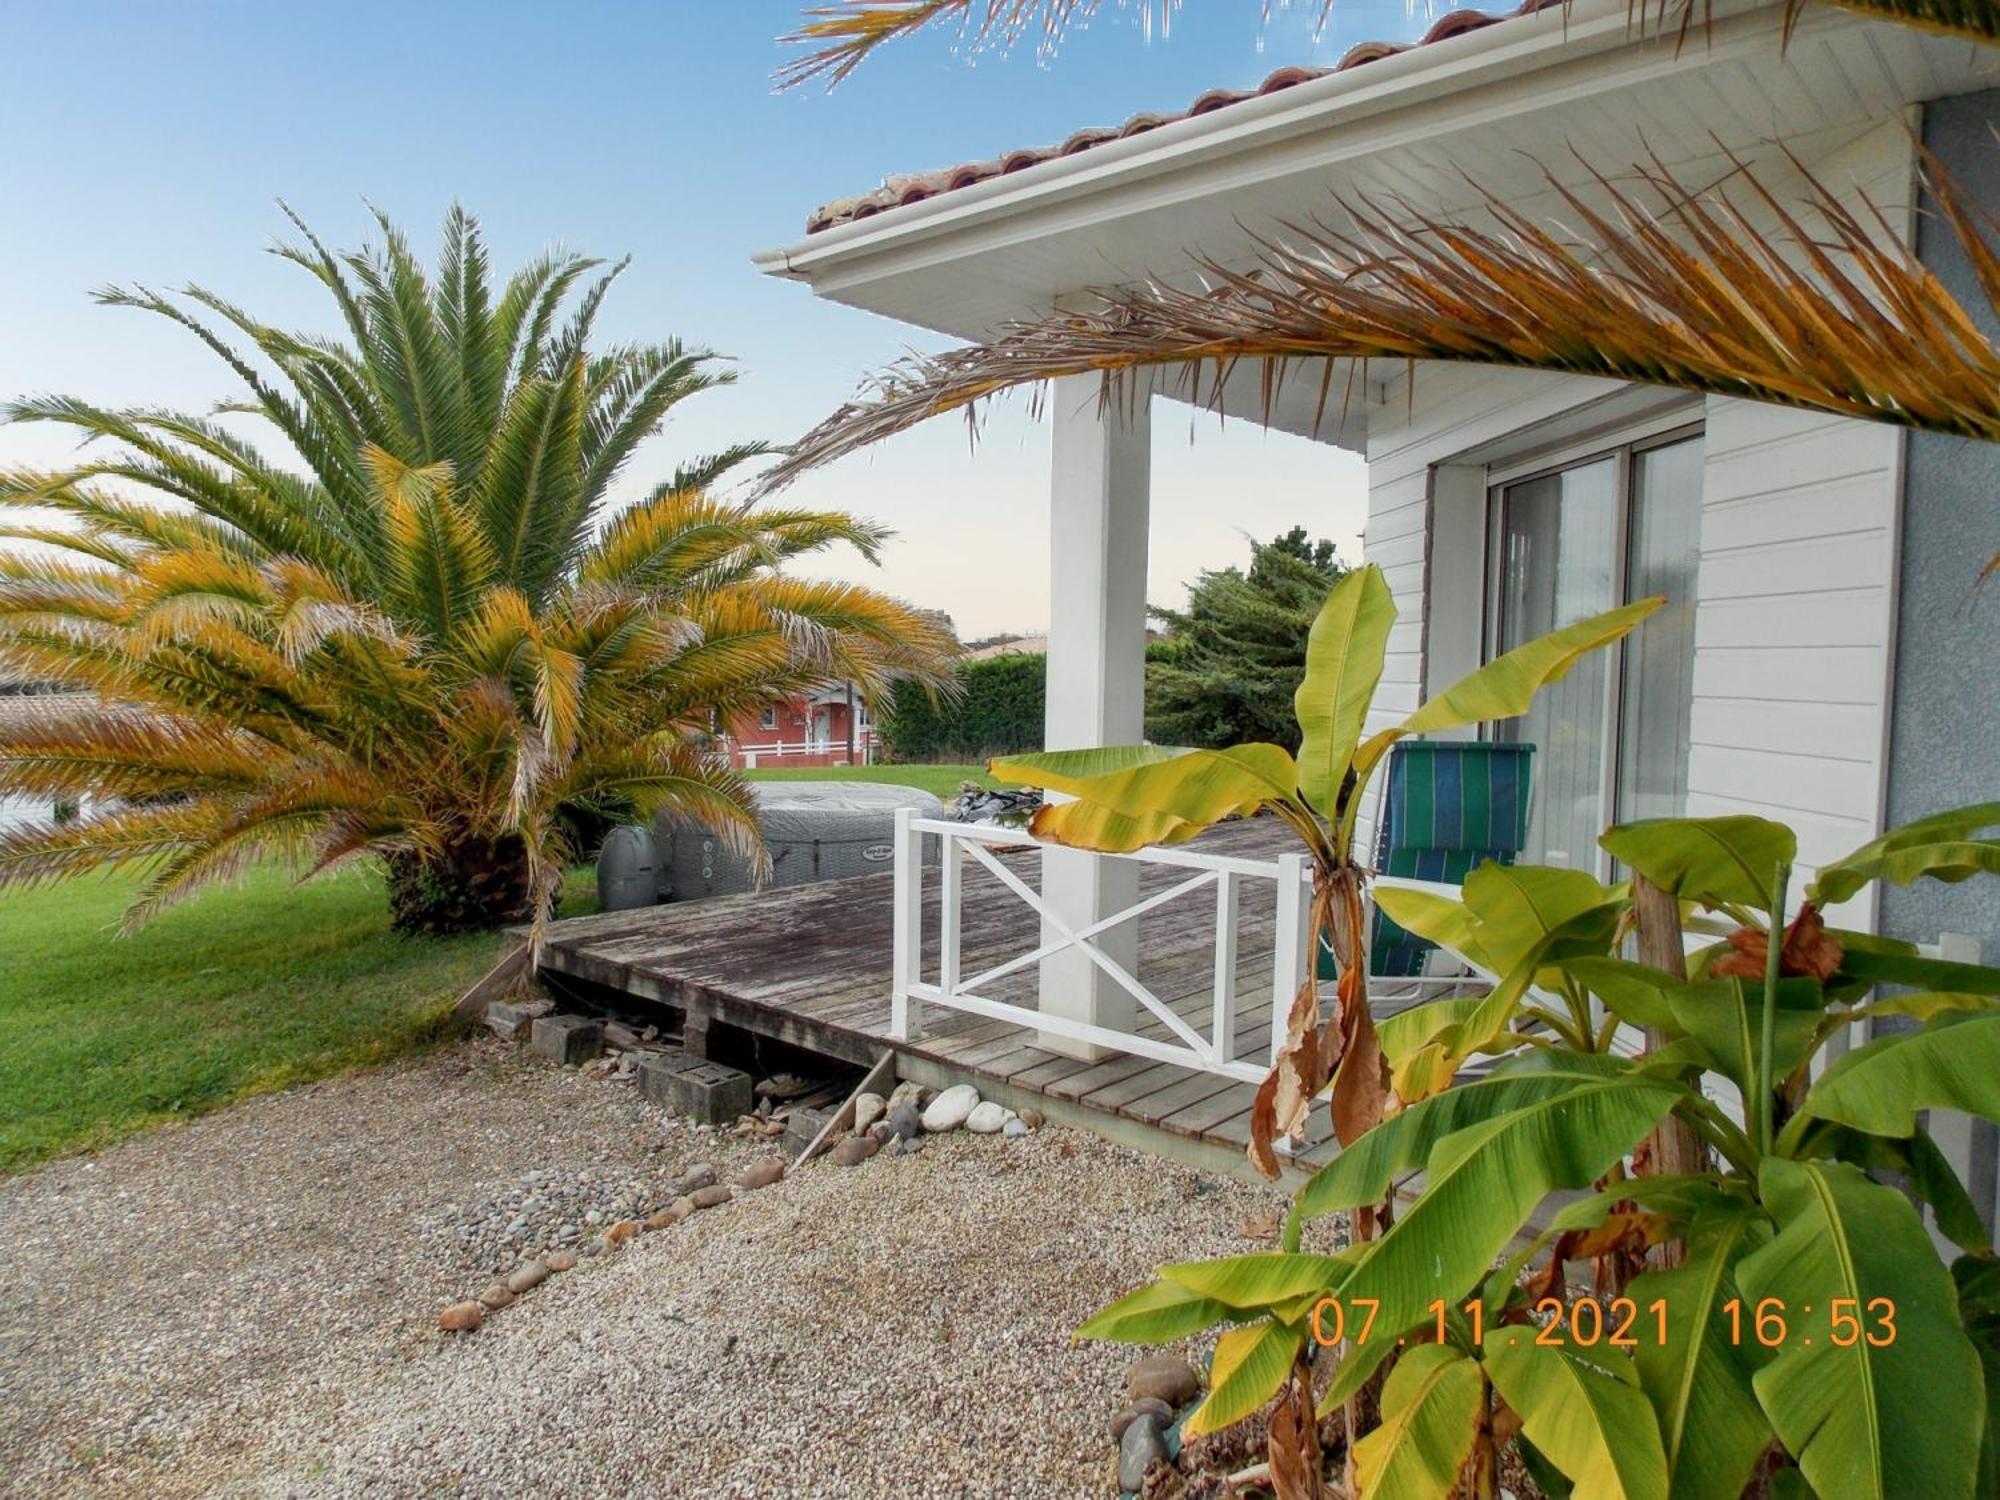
(1572, 541)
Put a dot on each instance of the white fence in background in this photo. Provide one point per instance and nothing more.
(776, 752)
(1211, 1049)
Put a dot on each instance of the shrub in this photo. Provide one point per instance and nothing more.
(998, 712)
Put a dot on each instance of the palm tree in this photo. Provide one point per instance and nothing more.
(421, 645)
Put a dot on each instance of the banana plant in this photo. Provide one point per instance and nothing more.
(1128, 797)
(1809, 1332)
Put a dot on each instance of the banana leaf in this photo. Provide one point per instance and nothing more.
(1894, 1420)
(1698, 1380)
(1432, 1406)
(1729, 860)
(1584, 1410)
(1344, 655)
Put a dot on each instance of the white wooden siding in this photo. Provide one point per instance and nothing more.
(1794, 631)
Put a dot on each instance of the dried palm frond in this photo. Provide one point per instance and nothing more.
(845, 33)
(1685, 292)
(1978, 20)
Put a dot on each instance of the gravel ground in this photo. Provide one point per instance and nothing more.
(247, 1305)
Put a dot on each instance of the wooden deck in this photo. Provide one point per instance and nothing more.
(810, 965)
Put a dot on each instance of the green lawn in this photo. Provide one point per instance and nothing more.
(242, 989)
(248, 988)
(940, 781)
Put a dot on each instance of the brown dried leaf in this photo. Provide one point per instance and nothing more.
(1284, 1099)
(1623, 1232)
(1809, 951)
(1264, 1228)
(1361, 1086)
(1296, 1460)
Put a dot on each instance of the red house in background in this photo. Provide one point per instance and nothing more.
(826, 727)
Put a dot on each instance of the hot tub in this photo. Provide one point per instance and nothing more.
(815, 830)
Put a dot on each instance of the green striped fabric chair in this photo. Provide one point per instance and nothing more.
(1448, 806)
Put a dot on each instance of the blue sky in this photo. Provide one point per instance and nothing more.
(149, 142)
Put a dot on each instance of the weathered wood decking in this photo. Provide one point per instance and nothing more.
(810, 965)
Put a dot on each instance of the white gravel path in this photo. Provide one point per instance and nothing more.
(246, 1305)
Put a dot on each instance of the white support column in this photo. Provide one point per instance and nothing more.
(907, 957)
(1098, 492)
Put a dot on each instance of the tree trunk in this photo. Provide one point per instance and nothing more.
(475, 885)
(1674, 1148)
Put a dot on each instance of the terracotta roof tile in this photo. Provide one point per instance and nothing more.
(917, 186)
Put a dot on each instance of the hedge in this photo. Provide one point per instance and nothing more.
(999, 712)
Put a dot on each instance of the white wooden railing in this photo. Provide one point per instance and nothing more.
(1211, 1049)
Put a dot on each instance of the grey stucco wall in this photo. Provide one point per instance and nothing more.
(1944, 741)
(1945, 713)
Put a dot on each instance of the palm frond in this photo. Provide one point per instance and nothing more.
(1676, 288)
(530, 498)
(710, 469)
(1977, 20)
(465, 315)
(631, 395)
(843, 35)
(56, 746)
(442, 559)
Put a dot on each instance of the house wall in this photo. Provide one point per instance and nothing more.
(1794, 625)
(1943, 749)
(1795, 615)
(747, 736)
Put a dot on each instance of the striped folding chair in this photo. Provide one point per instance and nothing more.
(1448, 805)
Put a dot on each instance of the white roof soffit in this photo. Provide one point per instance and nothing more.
(1493, 107)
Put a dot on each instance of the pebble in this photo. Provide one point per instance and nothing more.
(988, 1118)
(561, 1260)
(853, 1150)
(1145, 1406)
(949, 1110)
(868, 1108)
(461, 1317)
(1014, 1127)
(528, 1277)
(694, 1179)
(762, 1174)
(909, 1091)
(711, 1196)
(496, 1297)
(1139, 1447)
(1165, 1377)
